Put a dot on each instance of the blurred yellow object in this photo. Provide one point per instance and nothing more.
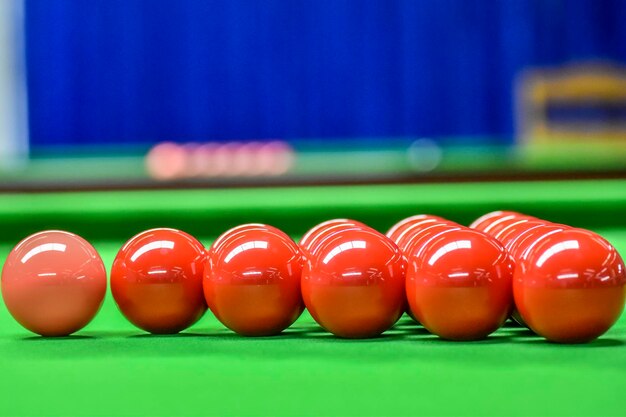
(554, 105)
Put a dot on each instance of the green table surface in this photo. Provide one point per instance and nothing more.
(111, 368)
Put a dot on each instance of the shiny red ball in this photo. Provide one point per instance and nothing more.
(458, 284)
(513, 231)
(252, 280)
(53, 283)
(319, 233)
(418, 221)
(487, 221)
(156, 280)
(571, 286)
(354, 285)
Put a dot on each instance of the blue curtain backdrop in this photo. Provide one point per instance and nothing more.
(132, 71)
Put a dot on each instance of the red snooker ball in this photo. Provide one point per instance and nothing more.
(511, 232)
(526, 241)
(415, 233)
(53, 283)
(354, 285)
(571, 286)
(313, 234)
(485, 222)
(422, 231)
(419, 220)
(458, 284)
(252, 280)
(156, 280)
(497, 227)
(315, 240)
(518, 242)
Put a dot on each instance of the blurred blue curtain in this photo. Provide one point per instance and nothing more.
(133, 71)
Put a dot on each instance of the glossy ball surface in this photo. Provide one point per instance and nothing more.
(570, 287)
(313, 234)
(514, 230)
(504, 224)
(415, 228)
(252, 280)
(459, 284)
(156, 280)
(419, 220)
(410, 245)
(311, 249)
(517, 243)
(354, 287)
(495, 227)
(527, 240)
(486, 221)
(53, 283)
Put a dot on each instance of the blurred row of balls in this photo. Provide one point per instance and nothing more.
(173, 161)
(170, 161)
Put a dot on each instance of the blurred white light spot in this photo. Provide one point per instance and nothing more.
(424, 155)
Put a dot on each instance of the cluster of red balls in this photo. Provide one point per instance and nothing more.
(567, 284)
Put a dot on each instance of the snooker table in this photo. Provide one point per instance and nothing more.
(112, 368)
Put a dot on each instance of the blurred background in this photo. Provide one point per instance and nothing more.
(141, 93)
